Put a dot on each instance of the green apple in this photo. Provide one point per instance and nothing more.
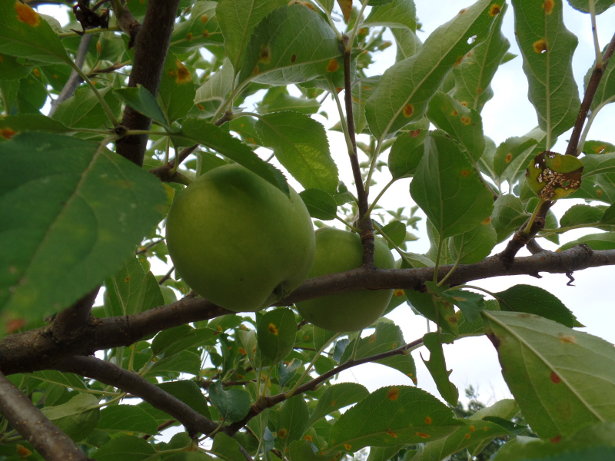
(239, 241)
(340, 251)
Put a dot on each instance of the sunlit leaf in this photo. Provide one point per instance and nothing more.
(561, 378)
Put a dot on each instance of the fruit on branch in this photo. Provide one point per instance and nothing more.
(340, 251)
(239, 241)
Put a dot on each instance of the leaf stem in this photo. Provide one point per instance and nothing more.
(105, 107)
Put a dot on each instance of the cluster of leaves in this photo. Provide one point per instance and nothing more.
(241, 75)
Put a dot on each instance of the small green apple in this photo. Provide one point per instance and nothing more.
(239, 241)
(340, 251)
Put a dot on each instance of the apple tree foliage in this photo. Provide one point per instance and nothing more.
(105, 355)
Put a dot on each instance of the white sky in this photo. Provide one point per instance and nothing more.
(509, 113)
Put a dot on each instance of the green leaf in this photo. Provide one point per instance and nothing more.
(475, 245)
(173, 340)
(301, 145)
(319, 203)
(76, 405)
(401, 13)
(23, 32)
(143, 101)
(14, 124)
(437, 368)
(474, 73)
(547, 47)
(227, 448)
(337, 396)
(462, 123)
(598, 164)
(131, 290)
(200, 29)
(83, 110)
(605, 93)
(602, 241)
(535, 300)
(395, 232)
(126, 448)
(211, 94)
(600, 6)
(407, 151)
(188, 392)
(278, 99)
(582, 214)
(276, 331)
(302, 450)
(403, 362)
(561, 378)
(405, 89)
(594, 147)
(203, 132)
(292, 420)
(432, 306)
(386, 336)
(185, 361)
(129, 418)
(12, 68)
(292, 44)
(513, 155)
(238, 19)
(73, 212)
(448, 188)
(508, 215)
(233, 404)
(392, 415)
(177, 89)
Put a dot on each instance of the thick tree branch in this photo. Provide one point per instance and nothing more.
(151, 48)
(67, 323)
(128, 381)
(25, 418)
(35, 349)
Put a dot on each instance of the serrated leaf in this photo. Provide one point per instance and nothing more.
(214, 91)
(392, 415)
(82, 110)
(405, 89)
(238, 19)
(143, 101)
(56, 224)
(407, 151)
(435, 308)
(276, 331)
(131, 290)
(437, 368)
(292, 44)
(547, 47)
(561, 378)
(386, 336)
(401, 13)
(127, 418)
(203, 132)
(598, 164)
(338, 396)
(513, 155)
(448, 188)
(23, 32)
(535, 300)
(300, 144)
(462, 123)
(475, 72)
(319, 203)
(292, 420)
(233, 404)
(199, 29)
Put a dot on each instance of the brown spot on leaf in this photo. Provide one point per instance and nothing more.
(428, 420)
(548, 5)
(466, 120)
(183, 74)
(27, 15)
(14, 325)
(540, 46)
(7, 133)
(508, 158)
(204, 18)
(333, 65)
(282, 433)
(273, 329)
(293, 58)
(347, 447)
(393, 393)
(494, 10)
(408, 110)
(554, 377)
(465, 173)
(423, 435)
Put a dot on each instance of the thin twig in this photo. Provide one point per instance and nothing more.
(268, 402)
(364, 223)
(25, 418)
(74, 79)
